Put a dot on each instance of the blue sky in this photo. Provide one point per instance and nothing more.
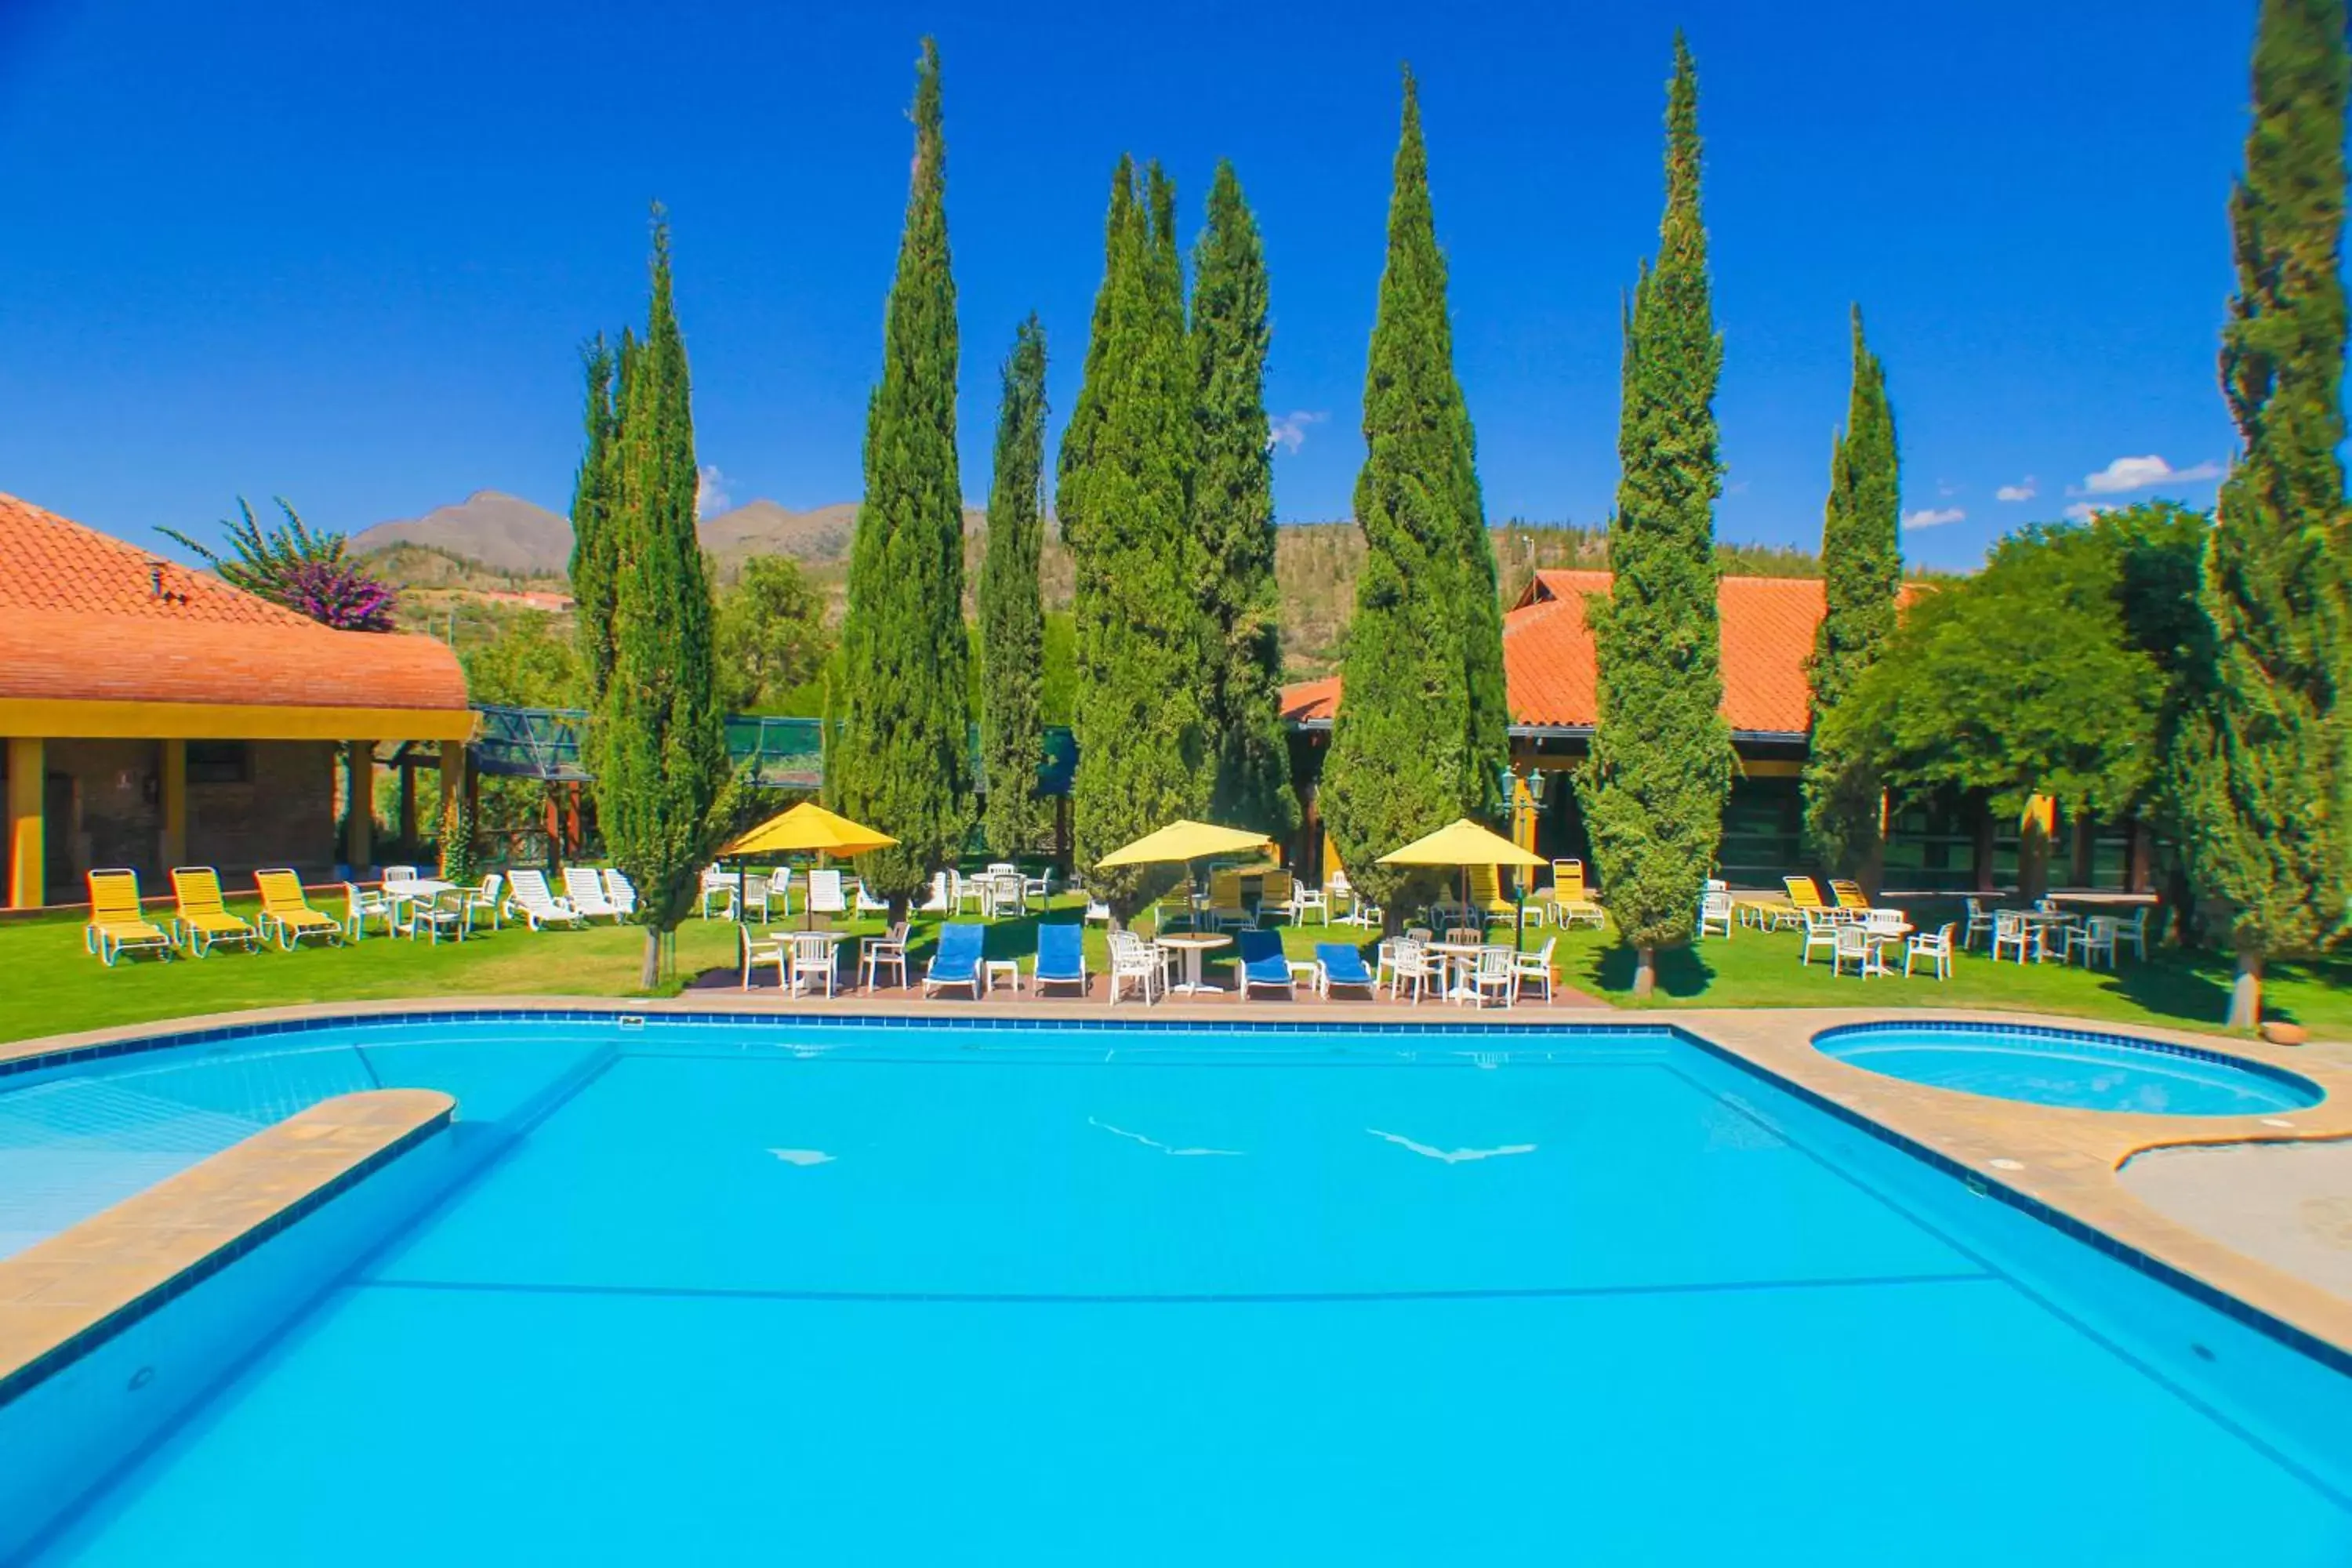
(345, 252)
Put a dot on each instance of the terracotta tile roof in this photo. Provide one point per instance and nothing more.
(1548, 654)
(85, 616)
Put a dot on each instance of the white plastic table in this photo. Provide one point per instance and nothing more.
(1192, 944)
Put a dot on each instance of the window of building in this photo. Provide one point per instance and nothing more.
(220, 762)
(1931, 844)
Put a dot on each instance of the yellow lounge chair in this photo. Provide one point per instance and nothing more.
(1848, 894)
(203, 921)
(1571, 904)
(116, 924)
(1803, 893)
(287, 915)
(1224, 906)
(1486, 898)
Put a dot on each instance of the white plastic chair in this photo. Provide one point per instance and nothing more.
(1534, 968)
(1935, 946)
(876, 953)
(399, 874)
(812, 961)
(484, 900)
(2011, 931)
(361, 906)
(2094, 938)
(1979, 922)
(2133, 934)
(1414, 966)
(1821, 932)
(1494, 975)
(1132, 959)
(1715, 912)
(715, 885)
(1850, 940)
(755, 954)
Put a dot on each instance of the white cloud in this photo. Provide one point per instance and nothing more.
(2139, 473)
(2022, 490)
(2084, 511)
(1934, 518)
(1289, 432)
(711, 496)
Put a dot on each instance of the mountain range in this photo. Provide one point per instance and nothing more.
(514, 536)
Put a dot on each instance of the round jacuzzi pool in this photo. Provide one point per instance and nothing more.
(2062, 1066)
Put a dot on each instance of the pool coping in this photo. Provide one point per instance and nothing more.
(68, 1294)
(2061, 1165)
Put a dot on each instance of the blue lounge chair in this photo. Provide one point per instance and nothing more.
(1340, 964)
(1061, 958)
(957, 962)
(1264, 963)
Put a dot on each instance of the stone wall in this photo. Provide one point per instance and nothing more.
(281, 812)
(284, 815)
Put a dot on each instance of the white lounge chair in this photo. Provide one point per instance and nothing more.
(867, 904)
(942, 898)
(583, 890)
(621, 891)
(527, 891)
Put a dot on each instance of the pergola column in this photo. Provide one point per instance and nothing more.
(359, 767)
(171, 778)
(28, 854)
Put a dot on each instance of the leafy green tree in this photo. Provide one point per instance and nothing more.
(1401, 760)
(901, 760)
(772, 640)
(1059, 687)
(1233, 513)
(1123, 497)
(1012, 604)
(1488, 742)
(1660, 769)
(660, 748)
(1950, 705)
(526, 666)
(592, 511)
(1862, 571)
(2272, 820)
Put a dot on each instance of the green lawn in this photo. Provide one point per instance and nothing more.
(54, 986)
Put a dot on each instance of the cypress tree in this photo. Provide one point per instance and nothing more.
(1404, 760)
(1011, 606)
(1862, 568)
(661, 749)
(902, 761)
(2269, 771)
(1488, 746)
(1233, 513)
(1124, 501)
(1660, 769)
(592, 506)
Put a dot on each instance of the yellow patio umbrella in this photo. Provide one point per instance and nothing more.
(1183, 840)
(1464, 844)
(808, 828)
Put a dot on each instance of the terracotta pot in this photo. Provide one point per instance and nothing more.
(2279, 1032)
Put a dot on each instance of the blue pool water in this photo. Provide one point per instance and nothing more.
(2050, 1067)
(768, 1293)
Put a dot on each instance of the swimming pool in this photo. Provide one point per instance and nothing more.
(948, 1293)
(2069, 1068)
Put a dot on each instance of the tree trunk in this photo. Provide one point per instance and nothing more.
(2246, 992)
(2032, 861)
(649, 974)
(1645, 972)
